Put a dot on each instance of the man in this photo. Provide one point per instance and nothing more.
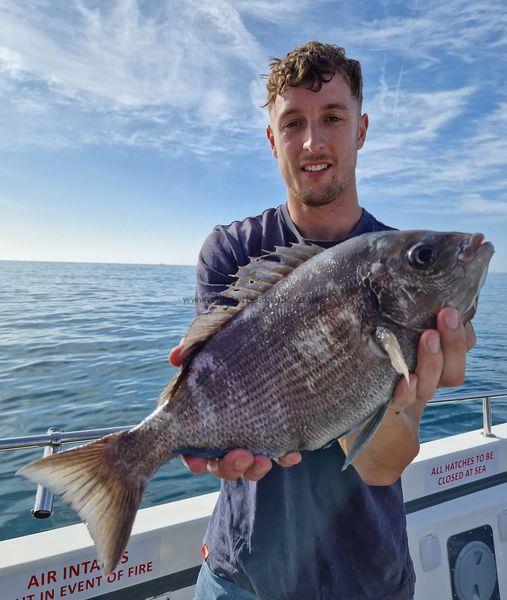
(313, 531)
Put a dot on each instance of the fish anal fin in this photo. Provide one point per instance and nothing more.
(366, 434)
(388, 342)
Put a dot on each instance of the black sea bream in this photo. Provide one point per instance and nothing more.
(313, 349)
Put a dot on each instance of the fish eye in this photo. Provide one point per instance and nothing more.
(422, 256)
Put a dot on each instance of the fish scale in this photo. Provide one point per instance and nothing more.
(318, 353)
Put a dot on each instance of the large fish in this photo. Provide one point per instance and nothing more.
(313, 349)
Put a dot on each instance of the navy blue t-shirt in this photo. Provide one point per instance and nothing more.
(308, 532)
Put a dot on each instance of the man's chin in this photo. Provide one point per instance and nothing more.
(312, 201)
(322, 199)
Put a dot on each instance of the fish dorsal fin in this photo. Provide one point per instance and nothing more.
(252, 280)
(170, 389)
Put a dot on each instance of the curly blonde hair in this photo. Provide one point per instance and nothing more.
(311, 65)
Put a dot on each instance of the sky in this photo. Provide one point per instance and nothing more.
(129, 129)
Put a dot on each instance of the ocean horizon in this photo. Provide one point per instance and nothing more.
(141, 264)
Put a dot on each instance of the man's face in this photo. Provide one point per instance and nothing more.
(317, 130)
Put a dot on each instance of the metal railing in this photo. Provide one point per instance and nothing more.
(486, 397)
(54, 438)
(52, 442)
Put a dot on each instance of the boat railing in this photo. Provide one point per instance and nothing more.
(54, 438)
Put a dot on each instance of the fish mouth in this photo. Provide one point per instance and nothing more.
(475, 246)
(479, 252)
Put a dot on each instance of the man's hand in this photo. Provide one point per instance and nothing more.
(441, 359)
(237, 462)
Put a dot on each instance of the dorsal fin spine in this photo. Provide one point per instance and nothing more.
(252, 281)
(270, 278)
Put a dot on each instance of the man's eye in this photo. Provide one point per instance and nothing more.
(334, 118)
(292, 124)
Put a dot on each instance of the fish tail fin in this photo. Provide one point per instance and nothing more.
(372, 424)
(103, 486)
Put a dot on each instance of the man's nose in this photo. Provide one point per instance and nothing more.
(314, 138)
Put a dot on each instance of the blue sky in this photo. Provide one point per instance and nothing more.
(129, 129)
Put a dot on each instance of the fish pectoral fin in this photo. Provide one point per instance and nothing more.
(89, 480)
(386, 339)
(366, 434)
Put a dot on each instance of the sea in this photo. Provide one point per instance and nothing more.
(84, 346)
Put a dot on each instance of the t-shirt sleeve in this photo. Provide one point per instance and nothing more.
(214, 267)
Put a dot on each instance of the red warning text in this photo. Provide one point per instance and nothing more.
(460, 470)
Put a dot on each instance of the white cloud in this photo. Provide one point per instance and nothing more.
(432, 30)
(408, 156)
(280, 12)
(469, 205)
(10, 62)
(403, 125)
(476, 205)
(113, 67)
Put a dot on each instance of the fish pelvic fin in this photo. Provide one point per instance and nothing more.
(93, 480)
(252, 281)
(366, 434)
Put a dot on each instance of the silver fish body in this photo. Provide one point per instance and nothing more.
(316, 353)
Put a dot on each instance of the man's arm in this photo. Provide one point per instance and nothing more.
(441, 362)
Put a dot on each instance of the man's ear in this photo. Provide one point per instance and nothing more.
(361, 132)
(271, 138)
